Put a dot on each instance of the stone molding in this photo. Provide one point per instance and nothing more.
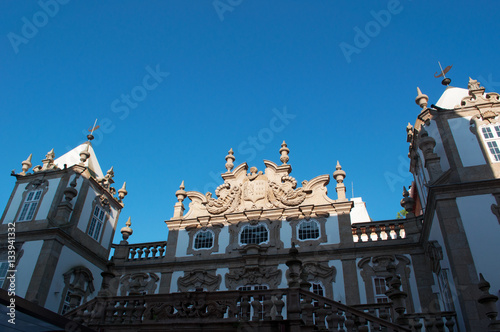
(138, 284)
(196, 279)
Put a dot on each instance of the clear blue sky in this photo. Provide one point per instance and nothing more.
(230, 63)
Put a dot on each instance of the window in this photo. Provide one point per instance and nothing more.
(491, 135)
(252, 287)
(317, 289)
(4, 267)
(204, 240)
(96, 223)
(254, 234)
(308, 230)
(66, 303)
(29, 206)
(444, 287)
(380, 288)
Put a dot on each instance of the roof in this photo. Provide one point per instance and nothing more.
(72, 157)
(452, 97)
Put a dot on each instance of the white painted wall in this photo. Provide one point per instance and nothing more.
(26, 266)
(468, 147)
(14, 205)
(222, 272)
(47, 200)
(358, 211)
(223, 239)
(332, 230)
(87, 210)
(284, 282)
(182, 243)
(338, 285)
(173, 284)
(436, 235)
(433, 132)
(483, 234)
(108, 230)
(68, 260)
(286, 234)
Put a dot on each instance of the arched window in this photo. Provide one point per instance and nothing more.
(97, 222)
(30, 205)
(254, 234)
(491, 136)
(203, 240)
(308, 230)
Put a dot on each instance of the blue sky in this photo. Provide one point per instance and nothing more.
(336, 79)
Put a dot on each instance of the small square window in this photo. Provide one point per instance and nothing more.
(254, 234)
(203, 240)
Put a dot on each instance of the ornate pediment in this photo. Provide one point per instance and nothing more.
(249, 189)
(253, 275)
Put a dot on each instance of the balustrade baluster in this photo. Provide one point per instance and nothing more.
(268, 305)
(320, 314)
(139, 253)
(147, 251)
(244, 308)
(162, 250)
(450, 323)
(355, 236)
(383, 233)
(393, 233)
(154, 250)
(307, 311)
(132, 253)
(279, 304)
(257, 309)
(349, 321)
(402, 233)
(373, 235)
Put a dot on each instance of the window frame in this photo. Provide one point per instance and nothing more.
(203, 231)
(493, 133)
(34, 186)
(253, 226)
(310, 221)
(99, 222)
(379, 296)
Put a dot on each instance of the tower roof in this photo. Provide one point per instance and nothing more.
(72, 157)
(452, 97)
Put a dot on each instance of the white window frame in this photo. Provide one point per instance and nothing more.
(30, 205)
(196, 236)
(66, 302)
(4, 268)
(253, 227)
(96, 224)
(491, 137)
(444, 287)
(310, 221)
(379, 296)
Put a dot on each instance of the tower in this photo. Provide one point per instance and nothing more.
(455, 159)
(62, 216)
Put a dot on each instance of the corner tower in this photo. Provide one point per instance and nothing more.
(64, 214)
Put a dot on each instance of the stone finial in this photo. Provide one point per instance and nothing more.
(48, 162)
(84, 155)
(229, 160)
(181, 193)
(394, 293)
(488, 301)
(284, 153)
(26, 165)
(126, 231)
(421, 99)
(70, 192)
(409, 132)
(407, 203)
(473, 84)
(339, 176)
(122, 192)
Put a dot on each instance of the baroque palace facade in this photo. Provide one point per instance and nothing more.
(267, 253)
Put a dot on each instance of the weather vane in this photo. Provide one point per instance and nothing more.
(94, 127)
(445, 81)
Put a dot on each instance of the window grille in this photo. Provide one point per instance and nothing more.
(254, 234)
(308, 230)
(96, 223)
(29, 206)
(204, 240)
(380, 288)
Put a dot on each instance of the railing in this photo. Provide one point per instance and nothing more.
(432, 321)
(378, 231)
(292, 306)
(380, 310)
(141, 251)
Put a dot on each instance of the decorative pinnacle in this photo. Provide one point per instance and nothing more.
(284, 153)
(84, 155)
(50, 155)
(339, 174)
(122, 192)
(229, 161)
(421, 99)
(71, 192)
(126, 231)
(26, 165)
(181, 194)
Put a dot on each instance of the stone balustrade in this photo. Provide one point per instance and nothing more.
(285, 308)
(141, 251)
(439, 321)
(378, 231)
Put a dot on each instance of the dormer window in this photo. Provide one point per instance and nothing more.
(204, 240)
(491, 136)
(254, 234)
(30, 205)
(96, 223)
